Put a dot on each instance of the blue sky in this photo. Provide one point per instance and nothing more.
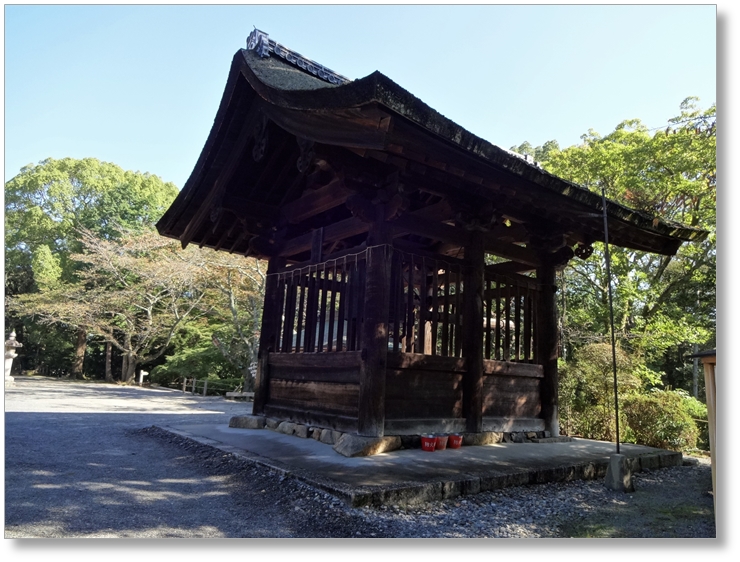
(140, 85)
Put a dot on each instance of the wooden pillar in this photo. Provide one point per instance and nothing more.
(268, 335)
(473, 330)
(709, 361)
(547, 347)
(374, 342)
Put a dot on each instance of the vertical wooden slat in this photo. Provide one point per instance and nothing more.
(311, 305)
(458, 313)
(517, 324)
(299, 320)
(350, 309)
(323, 287)
(410, 307)
(498, 319)
(361, 288)
(332, 308)
(396, 297)
(435, 306)
(507, 326)
(488, 285)
(422, 307)
(446, 314)
(344, 287)
(528, 325)
(280, 311)
(292, 292)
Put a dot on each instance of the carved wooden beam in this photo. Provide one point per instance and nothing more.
(315, 202)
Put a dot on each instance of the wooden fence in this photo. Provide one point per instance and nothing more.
(321, 308)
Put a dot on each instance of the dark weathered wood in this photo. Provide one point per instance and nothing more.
(473, 345)
(374, 342)
(458, 312)
(316, 201)
(342, 291)
(547, 344)
(339, 360)
(268, 336)
(409, 328)
(290, 303)
(317, 396)
(324, 288)
(488, 304)
(528, 325)
(335, 421)
(396, 299)
(446, 314)
(507, 323)
(420, 361)
(299, 325)
(517, 397)
(413, 393)
(317, 243)
(512, 369)
(435, 307)
(423, 314)
(332, 309)
(497, 355)
(517, 324)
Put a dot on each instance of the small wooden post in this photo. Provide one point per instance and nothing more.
(205, 386)
(473, 330)
(268, 334)
(184, 384)
(193, 387)
(374, 342)
(547, 348)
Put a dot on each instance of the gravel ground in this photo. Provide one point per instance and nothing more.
(85, 460)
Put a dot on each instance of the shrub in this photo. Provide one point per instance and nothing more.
(660, 419)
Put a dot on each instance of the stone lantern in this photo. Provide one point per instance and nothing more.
(10, 346)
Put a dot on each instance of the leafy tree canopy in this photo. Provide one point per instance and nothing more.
(47, 202)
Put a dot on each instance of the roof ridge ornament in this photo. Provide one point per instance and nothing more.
(261, 43)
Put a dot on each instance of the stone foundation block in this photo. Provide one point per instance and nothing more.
(619, 474)
(483, 438)
(286, 427)
(350, 445)
(247, 422)
(272, 423)
(300, 431)
(327, 437)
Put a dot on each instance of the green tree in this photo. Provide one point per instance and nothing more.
(135, 293)
(46, 204)
(662, 304)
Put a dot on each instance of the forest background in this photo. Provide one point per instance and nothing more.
(94, 292)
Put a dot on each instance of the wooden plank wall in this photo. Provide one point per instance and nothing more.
(421, 386)
(511, 390)
(312, 382)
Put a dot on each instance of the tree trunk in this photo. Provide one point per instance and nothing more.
(80, 348)
(108, 369)
(129, 368)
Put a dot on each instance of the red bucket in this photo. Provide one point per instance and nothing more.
(455, 441)
(428, 442)
(441, 442)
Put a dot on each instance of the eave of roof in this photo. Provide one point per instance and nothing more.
(290, 88)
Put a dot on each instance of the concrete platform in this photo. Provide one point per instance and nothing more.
(408, 477)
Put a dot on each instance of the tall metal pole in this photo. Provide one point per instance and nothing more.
(611, 311)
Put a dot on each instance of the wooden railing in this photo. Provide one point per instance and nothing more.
(321, 308)
(509, 318)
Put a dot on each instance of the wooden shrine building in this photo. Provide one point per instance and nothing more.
(411, 278)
